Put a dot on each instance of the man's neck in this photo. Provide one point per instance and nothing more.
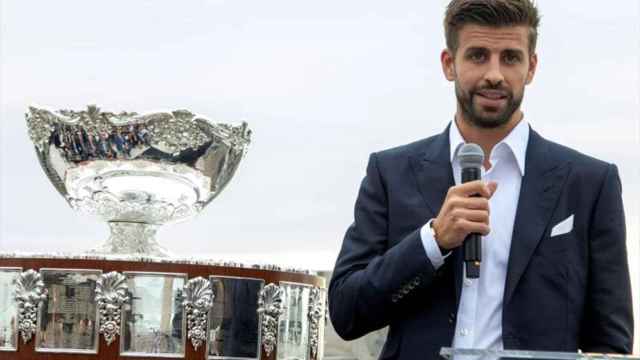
(486, 138)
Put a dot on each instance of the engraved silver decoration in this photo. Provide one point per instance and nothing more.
(198, 300)
(29, 293)
(111, 294)
(316, 313)
(136, 172)
(270, 307)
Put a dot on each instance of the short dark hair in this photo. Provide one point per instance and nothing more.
(495, 13)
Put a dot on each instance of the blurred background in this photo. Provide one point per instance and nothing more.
(322, 84)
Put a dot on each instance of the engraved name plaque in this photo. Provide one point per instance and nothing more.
(153, 322)
(234, 321)
(67, 317)
(8, 310)
(293, 329)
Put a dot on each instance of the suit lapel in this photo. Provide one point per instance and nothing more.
(432, 171)
(541, 186)
(434, 177)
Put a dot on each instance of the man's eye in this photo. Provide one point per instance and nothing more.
(512, 59)
(477, 57)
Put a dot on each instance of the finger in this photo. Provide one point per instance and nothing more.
(492, 186)
(477, 187)
(471, 215)
(469, 227)
(473, 203)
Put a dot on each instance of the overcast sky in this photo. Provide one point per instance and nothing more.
(322, 84)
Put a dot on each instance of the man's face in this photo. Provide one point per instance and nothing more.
(490, 69)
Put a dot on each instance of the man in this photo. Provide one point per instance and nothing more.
(554, 273)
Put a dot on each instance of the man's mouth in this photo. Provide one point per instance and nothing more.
(492, 94)
(491, 99)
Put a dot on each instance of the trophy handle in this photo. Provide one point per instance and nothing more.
(43, 156)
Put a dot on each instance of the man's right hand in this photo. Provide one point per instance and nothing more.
(465, 210)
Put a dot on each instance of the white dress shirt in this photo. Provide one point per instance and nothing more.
(479, 319)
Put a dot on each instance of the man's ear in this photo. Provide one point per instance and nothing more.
(533, 65)
(448, 64)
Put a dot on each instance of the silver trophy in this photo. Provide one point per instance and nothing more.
(136, 172)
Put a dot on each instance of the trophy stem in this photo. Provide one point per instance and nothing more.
(132, 238)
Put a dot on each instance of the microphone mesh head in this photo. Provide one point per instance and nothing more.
(470, 155)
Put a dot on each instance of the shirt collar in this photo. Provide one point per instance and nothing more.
(516, 141)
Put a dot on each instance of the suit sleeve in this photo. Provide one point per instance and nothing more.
(371, 281)
(608, 320)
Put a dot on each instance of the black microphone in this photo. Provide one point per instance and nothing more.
(471, 157)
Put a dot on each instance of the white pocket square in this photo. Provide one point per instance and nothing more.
(563, 226)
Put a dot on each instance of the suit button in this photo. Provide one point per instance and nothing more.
(395, 298)
(452, 318)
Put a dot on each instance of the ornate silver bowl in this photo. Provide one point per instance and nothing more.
(136, 172)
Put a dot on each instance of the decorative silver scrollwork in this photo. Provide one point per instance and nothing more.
(198, 300)
(270, 306)
(316, 312)
(29, 293)
(111, 294)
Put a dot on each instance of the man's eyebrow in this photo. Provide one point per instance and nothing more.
(475, 49)
(514, 51)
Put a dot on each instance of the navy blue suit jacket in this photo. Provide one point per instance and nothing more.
(562, 293)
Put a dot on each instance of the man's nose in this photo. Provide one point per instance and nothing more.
(494, 73)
